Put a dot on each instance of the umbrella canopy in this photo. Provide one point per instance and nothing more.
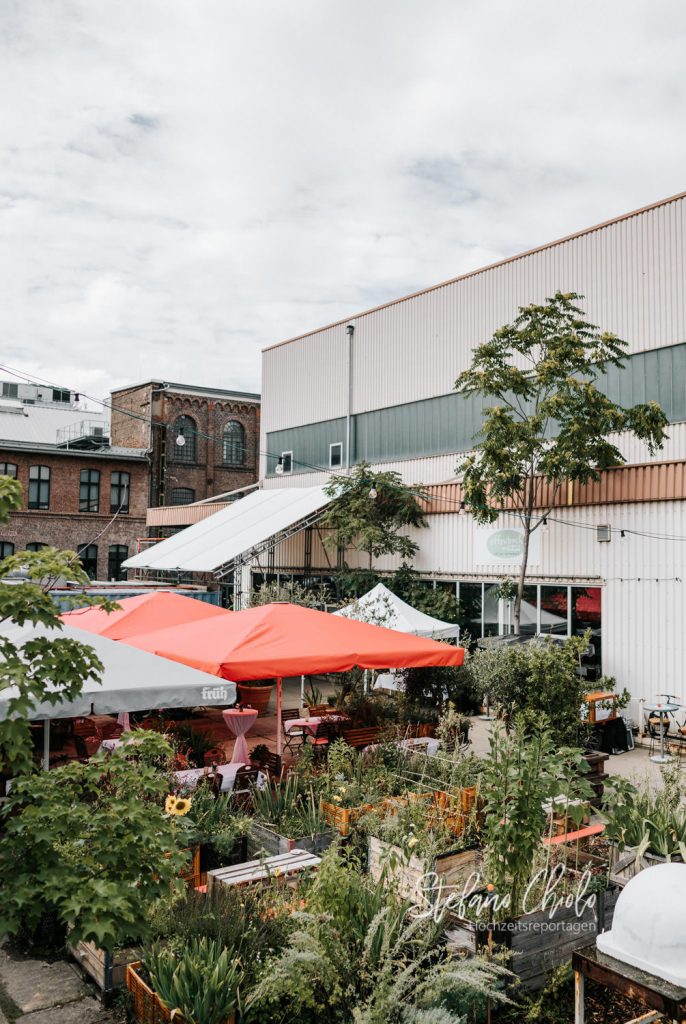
(279, 640)
(157, 610)
(132, 680)
(383, 606)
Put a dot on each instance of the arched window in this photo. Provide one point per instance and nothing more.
(182, 495)
(185, 434)
(6, 548)
(234, 443)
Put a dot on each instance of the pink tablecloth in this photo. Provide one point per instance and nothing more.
(308, 724)
(239, 723)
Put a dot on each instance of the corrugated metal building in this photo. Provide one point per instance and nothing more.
(383, 392)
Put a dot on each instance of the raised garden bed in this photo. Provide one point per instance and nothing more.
(107, 970)
(452, 870)
(624, 866)
(342, 818)
(264, 839)
(537, 943)
(147, 1007)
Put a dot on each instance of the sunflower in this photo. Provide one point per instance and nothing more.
(178, 805)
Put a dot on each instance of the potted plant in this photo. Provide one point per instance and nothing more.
(256, 694)
(287, 817)
(259, 755)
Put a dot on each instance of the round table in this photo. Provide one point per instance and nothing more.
(662, 710)
(239, 722)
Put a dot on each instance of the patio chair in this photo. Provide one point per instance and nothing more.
(272, 766)
(317, 710)
(293, 739)
(320, 740)
(245, 779)
(655, 726)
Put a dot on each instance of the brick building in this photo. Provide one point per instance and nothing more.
(80, 492)
(202, 441)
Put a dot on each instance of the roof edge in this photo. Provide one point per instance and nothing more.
(483, 270)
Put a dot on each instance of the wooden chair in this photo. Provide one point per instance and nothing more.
(293, 738)
(245, 779)
(272, 766)
(655, 726)
(360, 738)
(320, 740)
(320, 710)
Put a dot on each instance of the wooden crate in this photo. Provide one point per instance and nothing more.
(452, 871)
(192, 875)
(285, 868)
(263, 839)
(147, 1007)
(534, 948)
(343, 818)
(107, 970)
(624, 867)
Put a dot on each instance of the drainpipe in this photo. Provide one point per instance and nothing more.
(350, 330)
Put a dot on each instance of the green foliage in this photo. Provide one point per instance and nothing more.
(439, 601)
(548, 418)
(290, 808)
(538, 676)
(372, 525)
(438, 687)
(200, 980)
(213, 822)
(525, 769)
(645, 819)
(42, 670)
(91, 844)
(292, 592)
(192, 742)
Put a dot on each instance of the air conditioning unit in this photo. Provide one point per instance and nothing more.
(603, 534)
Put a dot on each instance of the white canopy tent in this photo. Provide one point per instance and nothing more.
(382, 607)
(242, 528)
(132, 680)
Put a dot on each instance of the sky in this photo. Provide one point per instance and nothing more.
(182, 184)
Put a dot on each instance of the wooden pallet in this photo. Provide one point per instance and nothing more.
(284, 866)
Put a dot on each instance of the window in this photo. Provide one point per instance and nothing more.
(185, 431)
(119, 492)
(335, 455)
(182, 495)
(6, 548)
(36, 545)
(8, 469)
(234, 443)
(10, 390)
(89, 560)
(286, 462)
(39, 487)
(117, 554)
(89, 492)
(58, 395)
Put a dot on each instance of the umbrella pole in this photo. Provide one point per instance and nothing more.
(46, 745)
(278, 716)
(302, 691)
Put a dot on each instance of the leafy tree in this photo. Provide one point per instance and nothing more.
(90, 845)
(42, 670)
(549, 421)
(369, 512)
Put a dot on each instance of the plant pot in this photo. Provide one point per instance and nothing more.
(214, 756)
(263, 838)
(256, 697)
(147, 1006)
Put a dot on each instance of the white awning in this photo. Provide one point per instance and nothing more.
(132, 680)
(382, 607)
(237, 530)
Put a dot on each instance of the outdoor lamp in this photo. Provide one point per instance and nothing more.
(373, 493)
(278, 468)
(180, 439)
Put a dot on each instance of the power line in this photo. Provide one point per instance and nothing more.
(547, 517)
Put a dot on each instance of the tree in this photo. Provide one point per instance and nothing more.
(549, 421)
(369, 512)
(42, 670)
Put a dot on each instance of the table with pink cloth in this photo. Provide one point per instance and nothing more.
(239, 722)
(310, 724)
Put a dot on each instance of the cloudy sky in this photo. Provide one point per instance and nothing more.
(182, 183)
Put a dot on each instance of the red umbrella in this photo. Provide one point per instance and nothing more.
(277, 640)
(156, 610)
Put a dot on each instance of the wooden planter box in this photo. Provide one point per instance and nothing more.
(256, 697)
(147, 1007)
(343, 818)
(451, 869)
(107, 970)
(191, 876)
(536, 948)
(623, 865)
(263, 839)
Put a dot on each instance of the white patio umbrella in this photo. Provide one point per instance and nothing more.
(384, 608)
(132, 680)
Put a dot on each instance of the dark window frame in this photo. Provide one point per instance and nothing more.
(186, 426)
(39, 487)
(116, 554)
(4, 545)
(120, 492)
(92, 480)
(233, 448)
(36, 545)
(176, 491)
(89, 561)
(5, 466)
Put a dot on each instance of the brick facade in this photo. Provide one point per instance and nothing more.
(62, 525)
(200, 467)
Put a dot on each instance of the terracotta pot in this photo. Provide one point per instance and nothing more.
(215, 755)
(256, 697)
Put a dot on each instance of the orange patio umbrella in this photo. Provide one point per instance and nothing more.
(277, 640)
(157, 610)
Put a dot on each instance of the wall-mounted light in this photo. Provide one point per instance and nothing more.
(278, 468)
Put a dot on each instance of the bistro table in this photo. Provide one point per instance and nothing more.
(667, 708)
(310, 724)
(239, 721)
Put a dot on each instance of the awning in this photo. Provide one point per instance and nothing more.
(244, 527)
(382, 607)
(132, 680)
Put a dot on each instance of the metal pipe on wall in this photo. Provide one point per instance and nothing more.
(350, 330)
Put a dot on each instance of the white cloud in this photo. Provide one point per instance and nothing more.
(181, 184)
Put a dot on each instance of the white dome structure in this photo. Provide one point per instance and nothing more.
(649, 924)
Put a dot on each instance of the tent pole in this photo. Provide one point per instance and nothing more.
(278, 715)
(365, 682)
(302, 691)
(46, 745)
